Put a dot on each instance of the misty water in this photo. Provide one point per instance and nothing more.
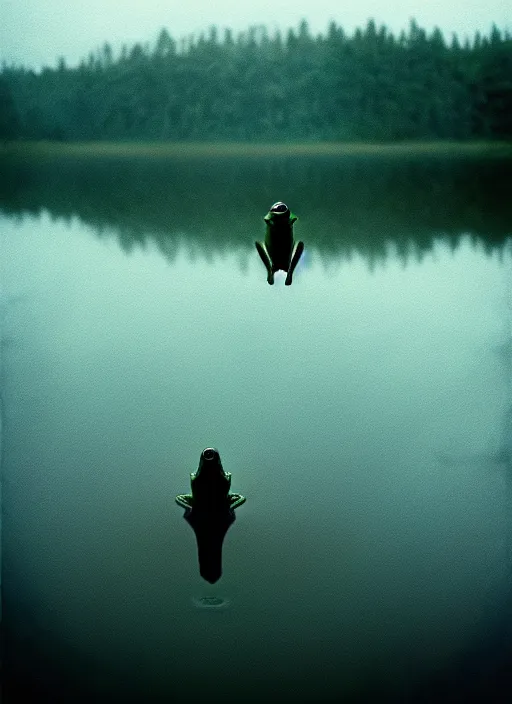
(362, 411)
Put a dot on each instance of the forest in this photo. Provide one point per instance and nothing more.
(257, 86)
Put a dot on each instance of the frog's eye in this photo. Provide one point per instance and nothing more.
(279, 207)
(210, 453)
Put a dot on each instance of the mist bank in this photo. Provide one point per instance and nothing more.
(371, 85)
(52, 149)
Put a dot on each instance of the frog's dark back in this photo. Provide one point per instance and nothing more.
(210, 484)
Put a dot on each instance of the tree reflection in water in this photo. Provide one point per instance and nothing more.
(345, 205)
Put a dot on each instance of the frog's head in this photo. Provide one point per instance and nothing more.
(210, 465)
(280, 211)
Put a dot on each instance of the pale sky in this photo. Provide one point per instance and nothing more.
(37, 32)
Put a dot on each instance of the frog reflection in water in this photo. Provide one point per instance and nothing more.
(210, 510)
(280, 251)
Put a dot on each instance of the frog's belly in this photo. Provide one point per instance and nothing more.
(280, 255)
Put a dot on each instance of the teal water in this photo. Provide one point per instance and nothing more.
(362, 411)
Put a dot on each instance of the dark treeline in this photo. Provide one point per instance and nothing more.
(371, 85)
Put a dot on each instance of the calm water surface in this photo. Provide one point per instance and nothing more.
(363, 413)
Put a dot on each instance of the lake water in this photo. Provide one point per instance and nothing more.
(364, 412)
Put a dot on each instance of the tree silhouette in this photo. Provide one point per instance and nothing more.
(256, 86)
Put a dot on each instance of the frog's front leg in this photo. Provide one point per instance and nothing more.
(265, 258)
(236, 500)
(185, 500)
(298, 248)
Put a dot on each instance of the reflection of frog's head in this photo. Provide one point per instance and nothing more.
(279, 211)
(210, 465)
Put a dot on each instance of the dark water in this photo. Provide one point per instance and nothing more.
(364, 412)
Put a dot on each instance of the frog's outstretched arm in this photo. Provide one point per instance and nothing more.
(185, 500)
(297, 253)
(236, 500)
(265, 257)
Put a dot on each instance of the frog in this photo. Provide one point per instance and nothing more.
(210, 511)
(279, 251)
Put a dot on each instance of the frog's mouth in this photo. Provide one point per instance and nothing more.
(280, 208)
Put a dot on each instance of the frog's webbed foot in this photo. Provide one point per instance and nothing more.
(265, 258)
(297, 254)
(184, 500)
(236, 500)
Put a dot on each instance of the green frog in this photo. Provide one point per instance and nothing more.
(210, 510)
(279, 251)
